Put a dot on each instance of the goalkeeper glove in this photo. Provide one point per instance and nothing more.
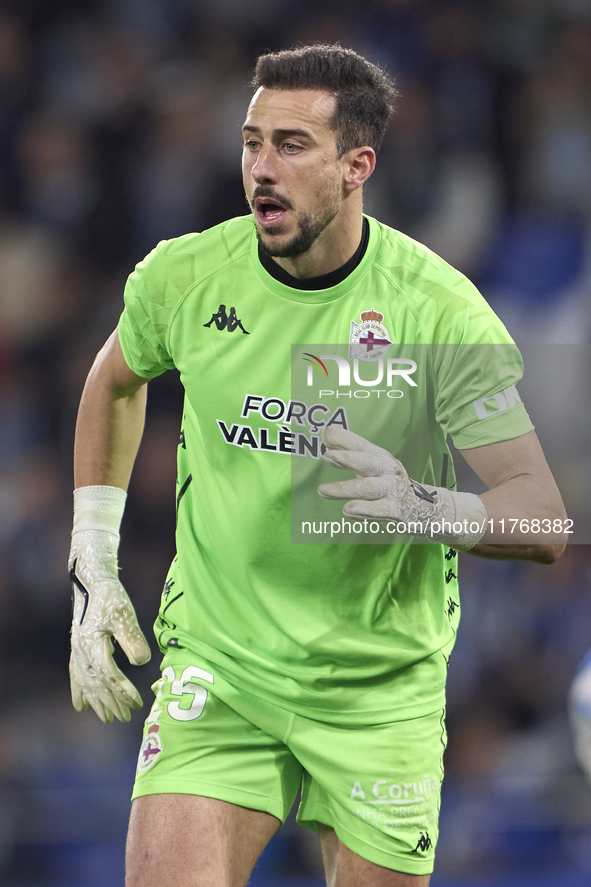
(101, 608)
(383, 491)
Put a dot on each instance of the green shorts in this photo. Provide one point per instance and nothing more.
(377, 786)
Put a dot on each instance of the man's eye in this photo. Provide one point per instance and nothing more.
(290, 147)
(251, 144)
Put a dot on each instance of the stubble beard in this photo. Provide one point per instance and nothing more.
(309, 230)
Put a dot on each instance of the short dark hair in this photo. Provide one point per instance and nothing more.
(365, 93)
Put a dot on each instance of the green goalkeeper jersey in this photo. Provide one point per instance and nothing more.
(350, 632)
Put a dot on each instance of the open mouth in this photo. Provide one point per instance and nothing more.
(269, 213)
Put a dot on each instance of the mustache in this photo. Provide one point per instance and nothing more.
(267, 191)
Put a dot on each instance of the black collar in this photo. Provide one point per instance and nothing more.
(323, 281)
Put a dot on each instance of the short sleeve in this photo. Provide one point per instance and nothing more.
(151, 297)
(477, 400)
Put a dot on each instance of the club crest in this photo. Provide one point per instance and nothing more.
(369, 340)
(150, 749)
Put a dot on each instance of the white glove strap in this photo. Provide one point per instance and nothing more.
(471, 516)
(98, 508)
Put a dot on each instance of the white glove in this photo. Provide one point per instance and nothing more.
(383, 491)
(580, 714)
(101, 608)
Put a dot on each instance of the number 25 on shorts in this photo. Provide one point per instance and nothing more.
(192, 697)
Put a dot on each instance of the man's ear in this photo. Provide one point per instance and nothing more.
(358, 163)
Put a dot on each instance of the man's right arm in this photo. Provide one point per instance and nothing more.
(110, 420)
(108, 433)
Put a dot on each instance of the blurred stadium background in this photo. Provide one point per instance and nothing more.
(119, 126)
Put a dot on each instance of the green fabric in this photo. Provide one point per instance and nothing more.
(383, 803)
(348, 632)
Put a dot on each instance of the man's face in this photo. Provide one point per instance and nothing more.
(292, 174)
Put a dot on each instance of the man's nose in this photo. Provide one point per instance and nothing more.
(264, 169)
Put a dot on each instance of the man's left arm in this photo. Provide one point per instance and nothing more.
(520, 516)
(521, 486)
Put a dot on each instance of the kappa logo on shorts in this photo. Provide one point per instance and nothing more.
(425, 843)
(150, 749)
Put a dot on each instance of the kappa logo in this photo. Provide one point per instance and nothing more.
(150, 749)
(369, 340)
(224, 321)
(425, 843)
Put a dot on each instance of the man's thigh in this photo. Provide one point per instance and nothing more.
(378, 787)
(347, 869)
(196, 744)
(180, 840)
(211, 787)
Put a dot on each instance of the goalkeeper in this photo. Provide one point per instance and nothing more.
(318, 668)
